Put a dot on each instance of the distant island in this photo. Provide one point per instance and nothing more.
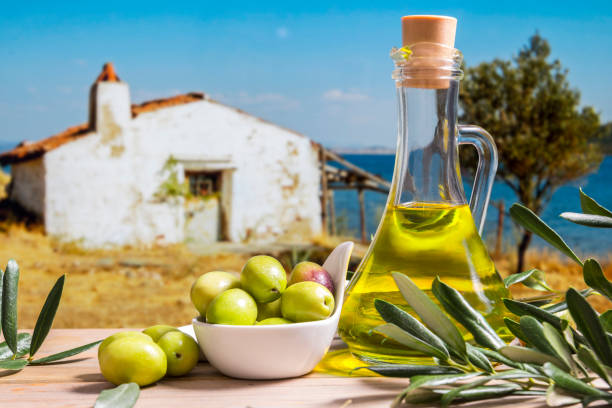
(604, 138)
(382, 150)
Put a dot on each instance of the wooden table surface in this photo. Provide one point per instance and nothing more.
(77, 383)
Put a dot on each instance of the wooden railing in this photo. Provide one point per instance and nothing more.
(344, 175)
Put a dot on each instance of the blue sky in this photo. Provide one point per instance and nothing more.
(321, 68)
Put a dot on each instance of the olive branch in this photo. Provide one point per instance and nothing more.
(561, 356)
(18, 349)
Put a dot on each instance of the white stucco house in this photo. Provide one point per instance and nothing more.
(169, 170)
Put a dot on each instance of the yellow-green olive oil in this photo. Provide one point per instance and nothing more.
(422, 241)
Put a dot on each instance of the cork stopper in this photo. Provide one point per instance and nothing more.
(429, 29)
(431, 40)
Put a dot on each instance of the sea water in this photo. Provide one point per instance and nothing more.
(598, 185)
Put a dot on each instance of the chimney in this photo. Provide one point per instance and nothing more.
(109, 102)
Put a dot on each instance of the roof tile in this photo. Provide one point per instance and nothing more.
(32, 150)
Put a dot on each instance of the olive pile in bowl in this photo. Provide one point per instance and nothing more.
(264, 295)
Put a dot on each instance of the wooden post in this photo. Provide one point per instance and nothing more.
(332, 212)
(362, 215)
(322, 162)
(357, 170)
(500, 226)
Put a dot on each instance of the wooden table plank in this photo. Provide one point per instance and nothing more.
(78, 383)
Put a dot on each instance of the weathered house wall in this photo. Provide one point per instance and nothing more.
(93, 197)
(272, 173)
(100, 189)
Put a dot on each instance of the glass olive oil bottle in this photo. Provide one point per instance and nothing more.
(427, 229)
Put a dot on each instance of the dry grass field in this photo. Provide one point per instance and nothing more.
(133, 287)
(561, 274)
(117, 288)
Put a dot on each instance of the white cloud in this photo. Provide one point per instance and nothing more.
(338, 95)
(282, 32)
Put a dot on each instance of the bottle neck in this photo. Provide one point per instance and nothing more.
(426, 168)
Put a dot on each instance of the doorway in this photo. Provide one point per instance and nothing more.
(204, 218)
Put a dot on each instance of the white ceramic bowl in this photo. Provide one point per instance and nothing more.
(276, 351)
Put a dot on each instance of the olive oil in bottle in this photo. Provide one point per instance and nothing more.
(422, 241)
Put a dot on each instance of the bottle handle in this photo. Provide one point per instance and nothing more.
(485, 172)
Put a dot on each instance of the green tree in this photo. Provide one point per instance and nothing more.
(545, 139)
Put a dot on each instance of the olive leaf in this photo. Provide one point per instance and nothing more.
(537, 281)
(456, 306)
(559, 345)
(590, 206)
(537, 302)
(606, 320)
(479, 359)
(392, 331)
(393, 314)
(64, 354)
(590, 360)
(570, 383)
(484, 392)
(430, 313)
(517, 277)
(46, 316)
(534, 331)
(556, 397)
(522, 309)
(533, 278)
(528, 355)
(23, 345)
(409, 370)
(590, 220)
(568, 334)
(595, 278)
(531, 222)
(13, 364)
(506, 375)
(589, 325)
(515, 328)
(123, 396)
(495, 356)
(419, 381)
(9, 304)
(498, 357)
(421, 396)
(433, 380)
